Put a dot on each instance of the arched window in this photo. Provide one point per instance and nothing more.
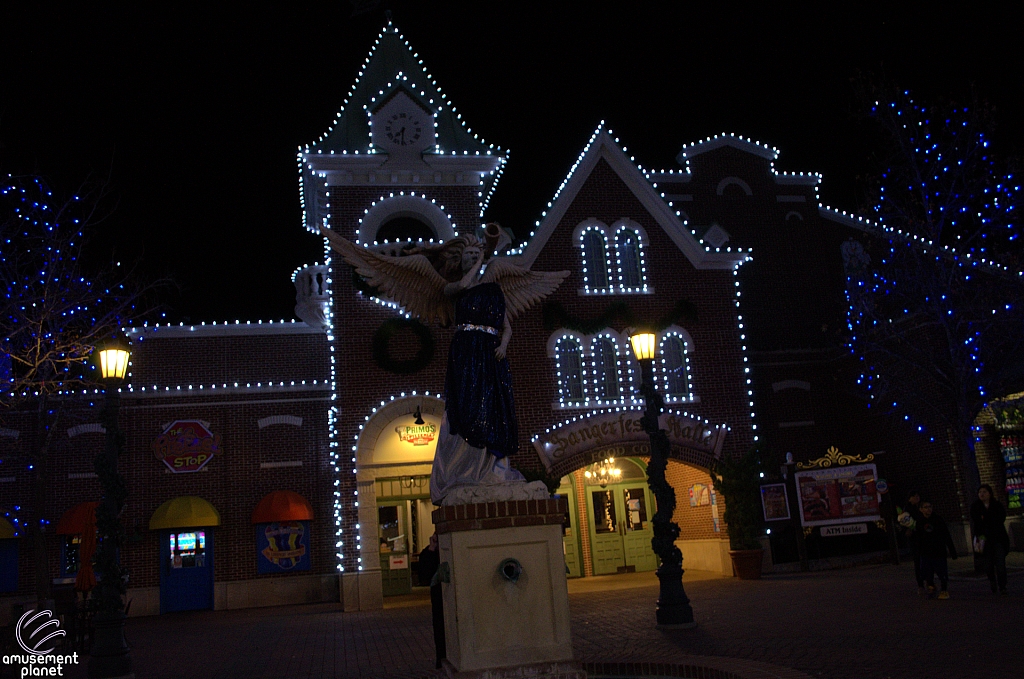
(595, 263)
(627, 248)
(569, 364)
(675, 371)
(605, 361)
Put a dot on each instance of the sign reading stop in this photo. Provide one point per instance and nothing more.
(186, 446)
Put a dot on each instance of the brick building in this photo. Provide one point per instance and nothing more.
(322, 430)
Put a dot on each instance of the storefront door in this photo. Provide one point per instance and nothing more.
(620, 523)
(186, 569)
(393, 534)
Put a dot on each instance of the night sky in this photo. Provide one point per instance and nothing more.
(195, 114)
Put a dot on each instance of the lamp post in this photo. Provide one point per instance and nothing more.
(110, 656)
(673, 605)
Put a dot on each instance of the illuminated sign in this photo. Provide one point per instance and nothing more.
(186, 446)
(417, 434)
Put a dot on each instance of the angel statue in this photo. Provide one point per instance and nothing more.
(443, 283)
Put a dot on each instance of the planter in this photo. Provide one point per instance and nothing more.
(746, 563)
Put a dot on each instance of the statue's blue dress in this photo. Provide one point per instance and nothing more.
(478, 387)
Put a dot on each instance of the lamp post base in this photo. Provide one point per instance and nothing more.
(674, 611)
(110, 657)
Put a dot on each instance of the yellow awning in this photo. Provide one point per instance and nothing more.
(6, 529)
(184, 512)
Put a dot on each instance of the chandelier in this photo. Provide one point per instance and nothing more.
(603, 472)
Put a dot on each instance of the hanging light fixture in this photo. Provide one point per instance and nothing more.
(603, 472)
(418, 416)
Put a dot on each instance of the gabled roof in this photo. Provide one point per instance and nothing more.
(720, 140)
(603, 145)
(391, 61)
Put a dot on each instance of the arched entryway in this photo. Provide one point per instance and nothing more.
(394, 453)
(609, 526)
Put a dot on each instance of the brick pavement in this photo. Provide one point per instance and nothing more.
(861, 623)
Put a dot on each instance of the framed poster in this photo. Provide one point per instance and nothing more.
(775, 502)
(838, 495)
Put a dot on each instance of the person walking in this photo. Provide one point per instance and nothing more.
(430, 561)
(988, 517)
(908, 517)
(935, 542)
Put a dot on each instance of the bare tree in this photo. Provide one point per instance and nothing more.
(936, 300)
(54, 312)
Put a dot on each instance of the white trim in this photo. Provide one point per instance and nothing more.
(710, 144)
(94, 428)
(404, 206)
(603, 146)
(280, 465)
(279, 419)
(731, 181)
(791, 384)
(225, 329)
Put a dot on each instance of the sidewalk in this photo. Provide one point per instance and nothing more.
(859, 623)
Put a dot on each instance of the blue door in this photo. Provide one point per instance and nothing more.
(186, 569)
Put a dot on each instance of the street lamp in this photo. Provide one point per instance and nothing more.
(673, 605)
(110, 656)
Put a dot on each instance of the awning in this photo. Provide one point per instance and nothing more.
(6, 529)
(77, 518)
(184, 512)
(282, 505)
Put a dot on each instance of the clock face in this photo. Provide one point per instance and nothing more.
(403, 128)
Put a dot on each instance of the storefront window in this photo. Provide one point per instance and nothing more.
(188, 550)
(390, 522)
(636, 508)
(604, 511)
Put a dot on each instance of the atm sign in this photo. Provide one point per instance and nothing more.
(186, 446)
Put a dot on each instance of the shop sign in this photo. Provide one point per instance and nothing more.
(186, 446)
(396, 562)
(700, 495)
(609, 429)
(417, 434)
(838, 495)
(849, 529)
(282, 546)
(775, 502)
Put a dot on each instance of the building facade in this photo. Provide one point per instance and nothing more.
(289, 462)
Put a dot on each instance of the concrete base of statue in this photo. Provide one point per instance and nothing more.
(506, 604)
(511, 491)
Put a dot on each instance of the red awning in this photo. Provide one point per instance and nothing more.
(77, 518)
(282, 505)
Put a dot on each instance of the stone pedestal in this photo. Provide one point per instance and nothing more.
(506, 604)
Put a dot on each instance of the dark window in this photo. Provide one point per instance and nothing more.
(629, 258)
(596, 266)
(606, 373)
(674, 364)
(570, 364)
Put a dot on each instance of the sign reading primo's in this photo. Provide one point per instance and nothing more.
(417, 434)
(606, 429)
(186, 446)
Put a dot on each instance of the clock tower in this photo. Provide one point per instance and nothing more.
(397, 165)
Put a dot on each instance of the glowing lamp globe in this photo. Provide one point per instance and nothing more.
(644, 345)
(113, 362)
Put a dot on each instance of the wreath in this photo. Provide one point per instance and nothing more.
(382, 338)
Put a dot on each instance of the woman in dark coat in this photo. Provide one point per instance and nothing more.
(988, 517)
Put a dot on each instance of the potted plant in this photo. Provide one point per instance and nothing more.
(739, 482)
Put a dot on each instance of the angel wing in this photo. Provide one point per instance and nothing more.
(522, 287)
(410, 281)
